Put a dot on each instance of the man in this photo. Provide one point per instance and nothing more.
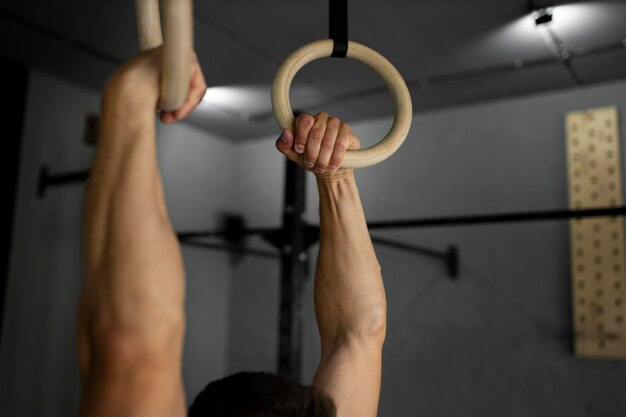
(131, 312)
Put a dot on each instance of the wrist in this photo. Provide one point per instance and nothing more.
(338, 187)
(330, 177)
(132, 90)
(125, 113)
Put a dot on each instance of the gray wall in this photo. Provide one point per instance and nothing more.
(38, 372)
(497, 342)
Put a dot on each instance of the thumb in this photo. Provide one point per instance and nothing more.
(284, 144)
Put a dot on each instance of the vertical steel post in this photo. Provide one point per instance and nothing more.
(13, 109)
(292, 272)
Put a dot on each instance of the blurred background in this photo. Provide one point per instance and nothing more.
(491, 84)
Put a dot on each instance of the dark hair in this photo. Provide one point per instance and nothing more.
(259, 394)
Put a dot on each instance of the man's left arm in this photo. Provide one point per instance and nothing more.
(131, 311)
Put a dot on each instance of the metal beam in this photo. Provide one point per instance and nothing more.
(293, 274)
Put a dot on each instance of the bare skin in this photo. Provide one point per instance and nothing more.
(131, 316)
(131, 312)
(350, 303)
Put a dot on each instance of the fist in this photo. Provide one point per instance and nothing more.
(138, 81)
(318, 144)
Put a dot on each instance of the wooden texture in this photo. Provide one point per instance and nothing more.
(597, 244)
(177, 40)
(399, 91)
(148, 24)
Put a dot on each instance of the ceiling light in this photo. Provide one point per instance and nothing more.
(543, 16)
(245, 102)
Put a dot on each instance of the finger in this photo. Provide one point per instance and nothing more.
(190, 103)
(167, 117)
(198, 86)
(303, 123)
(197, 90)
(284, 144)
(328, 144)
(314, 141)
(342, 143)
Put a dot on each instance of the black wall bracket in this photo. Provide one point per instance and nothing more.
(48, 180)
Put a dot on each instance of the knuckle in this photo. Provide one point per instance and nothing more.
(336, 161)
(346, 128)
(334, 121)
(316, 134)
(328, 145)
(310, 153)
(304, 120)
(322, 114)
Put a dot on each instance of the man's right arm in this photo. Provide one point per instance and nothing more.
(350, 302)
(350, 299)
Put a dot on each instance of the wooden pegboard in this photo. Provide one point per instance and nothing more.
(597, 244)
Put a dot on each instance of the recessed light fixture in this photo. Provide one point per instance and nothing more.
(543, 16)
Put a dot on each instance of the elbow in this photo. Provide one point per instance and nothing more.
(376, 323)
(120, 345)
(368, 334)
(370, 327)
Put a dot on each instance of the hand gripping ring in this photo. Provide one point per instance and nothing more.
(399, 91)
(177, 41)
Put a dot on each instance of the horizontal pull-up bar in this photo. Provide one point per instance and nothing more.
(500, 218)
(234, 249)
(48, 180)
(450, 256)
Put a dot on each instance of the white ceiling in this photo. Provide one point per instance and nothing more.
(450, 52)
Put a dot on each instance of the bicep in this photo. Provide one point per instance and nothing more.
(351, 374)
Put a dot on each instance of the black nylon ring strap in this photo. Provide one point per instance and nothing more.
(338, 14)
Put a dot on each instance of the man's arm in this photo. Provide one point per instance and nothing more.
(350, 299)
(131, 313)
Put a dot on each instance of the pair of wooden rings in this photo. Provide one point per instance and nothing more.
(177, 40)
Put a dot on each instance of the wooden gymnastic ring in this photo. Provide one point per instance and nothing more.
(399, 91)
(177, 41)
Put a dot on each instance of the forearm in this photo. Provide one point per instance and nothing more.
(349, 292)
(132, 300)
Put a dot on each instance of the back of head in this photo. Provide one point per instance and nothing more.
(259, 394)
